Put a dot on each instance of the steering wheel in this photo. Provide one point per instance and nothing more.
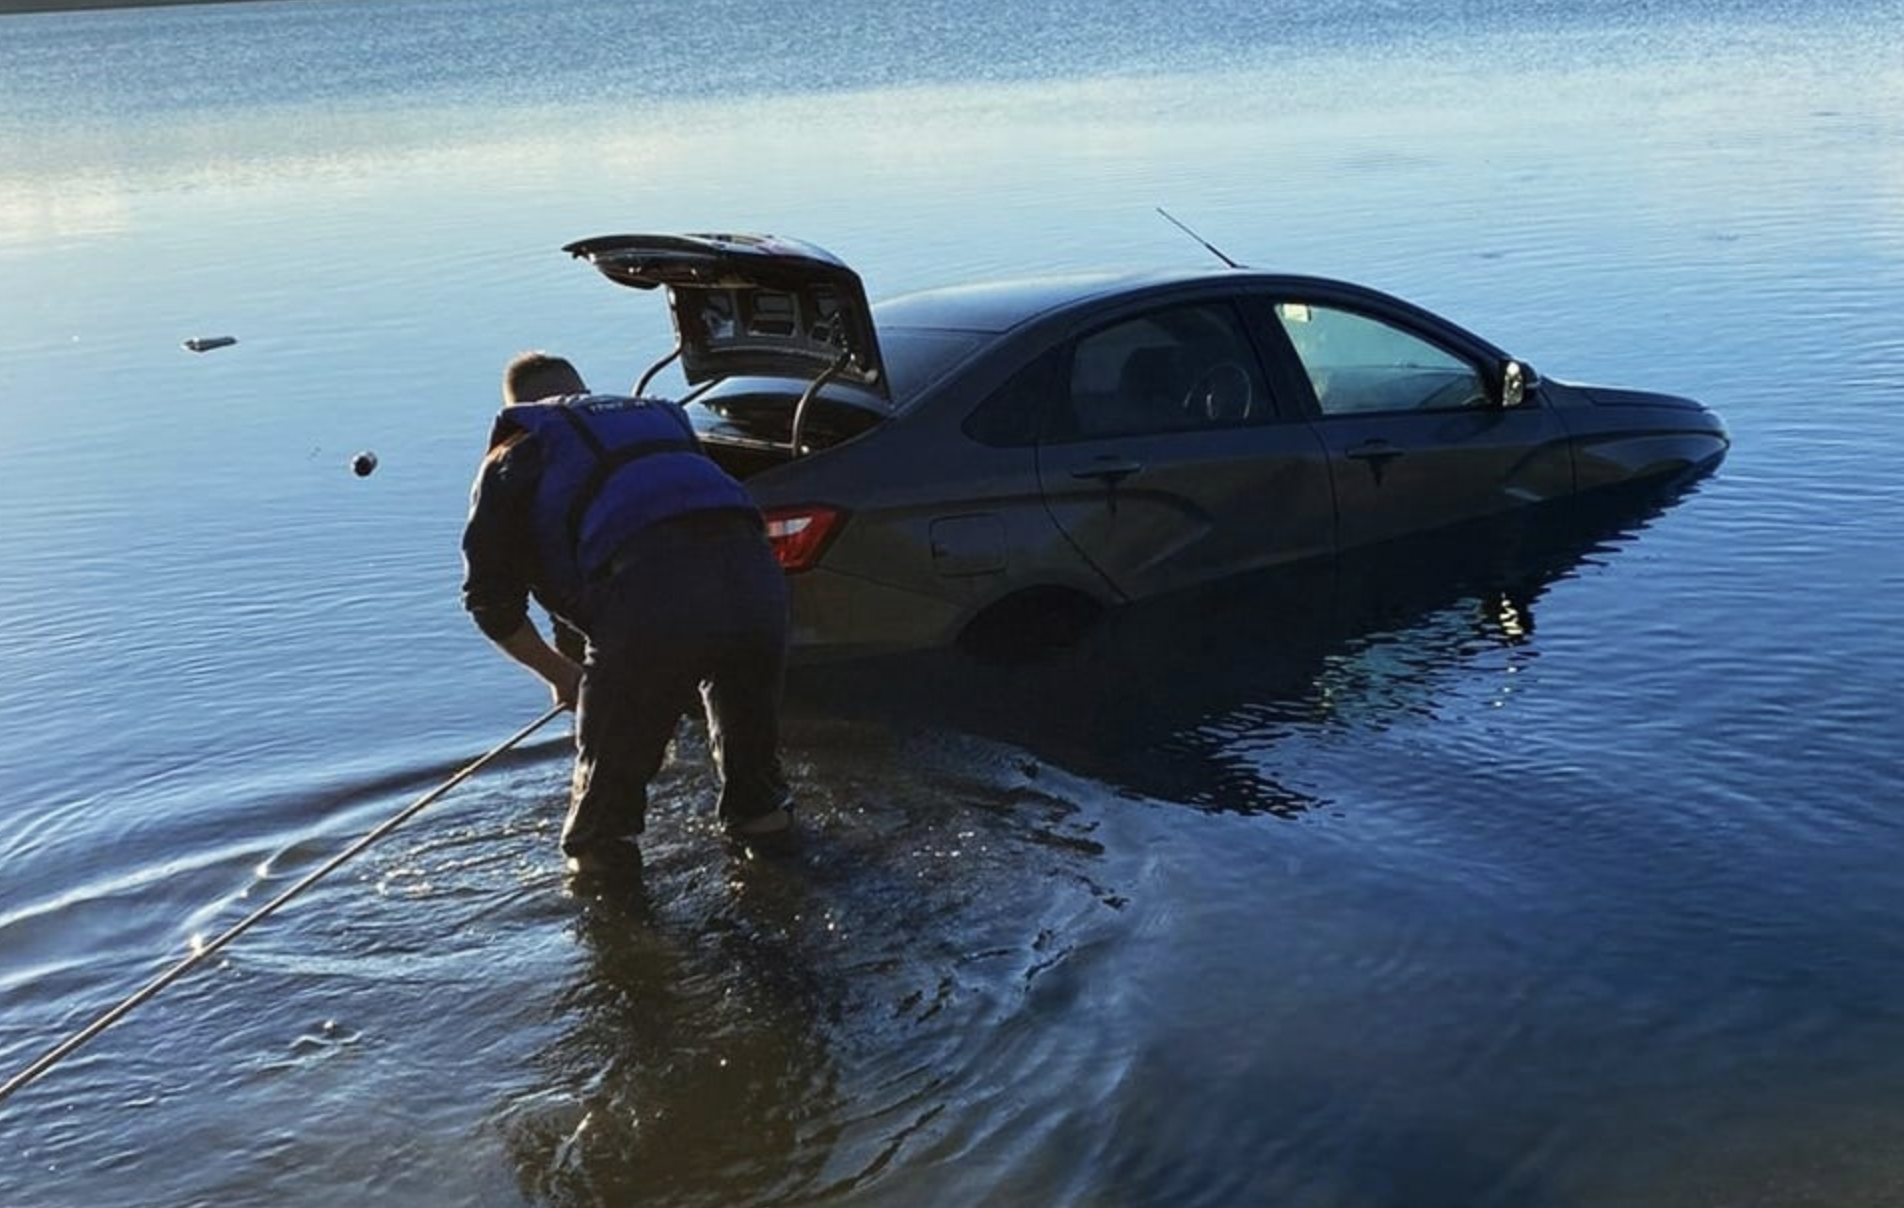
(1221, 392)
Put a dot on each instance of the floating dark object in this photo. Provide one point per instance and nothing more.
(363, 464)
(207, 343)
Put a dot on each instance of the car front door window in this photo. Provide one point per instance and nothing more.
(1178, 370)
(1358, 365)
(1415, 439)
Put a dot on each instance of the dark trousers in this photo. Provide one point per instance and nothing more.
(697, 605)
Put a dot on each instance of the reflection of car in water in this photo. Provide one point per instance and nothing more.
(961, 464)
(1163, 696)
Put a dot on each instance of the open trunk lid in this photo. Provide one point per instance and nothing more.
(752, 305)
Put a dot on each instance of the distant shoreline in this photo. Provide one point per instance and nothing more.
(55, 6)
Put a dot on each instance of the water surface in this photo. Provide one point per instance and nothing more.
(1557, 875)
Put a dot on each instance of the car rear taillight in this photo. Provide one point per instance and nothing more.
(800, 534)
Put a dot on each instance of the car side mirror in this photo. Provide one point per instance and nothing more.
(1515, 381)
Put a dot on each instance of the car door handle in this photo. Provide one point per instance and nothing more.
(1108, 470)
(1375, 451)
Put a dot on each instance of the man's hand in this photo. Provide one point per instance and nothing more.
(561, 673)
(566, 686)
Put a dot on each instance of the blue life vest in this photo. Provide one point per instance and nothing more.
(611, 466)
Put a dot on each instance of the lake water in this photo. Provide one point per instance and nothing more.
(1566, 877)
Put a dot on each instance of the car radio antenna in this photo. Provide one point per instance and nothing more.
(1208, 246)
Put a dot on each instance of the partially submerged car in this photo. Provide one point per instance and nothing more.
(986, 462)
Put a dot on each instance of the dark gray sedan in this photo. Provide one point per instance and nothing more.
(984, 462)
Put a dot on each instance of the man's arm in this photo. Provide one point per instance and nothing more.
(562, 674)
(498, 553)
(568, 639)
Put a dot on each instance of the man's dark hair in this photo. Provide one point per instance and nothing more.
(537, 375)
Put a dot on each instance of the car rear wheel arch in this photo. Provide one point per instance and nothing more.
(1029, 622)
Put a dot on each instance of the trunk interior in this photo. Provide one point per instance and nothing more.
(749, 433)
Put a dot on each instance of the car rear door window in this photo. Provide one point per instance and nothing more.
(1179, 369)
(1015, 413)
(1358, 365)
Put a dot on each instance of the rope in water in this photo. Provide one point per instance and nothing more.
(60, 1051)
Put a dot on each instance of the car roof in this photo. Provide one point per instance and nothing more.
(998, 306)
(992, 308)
